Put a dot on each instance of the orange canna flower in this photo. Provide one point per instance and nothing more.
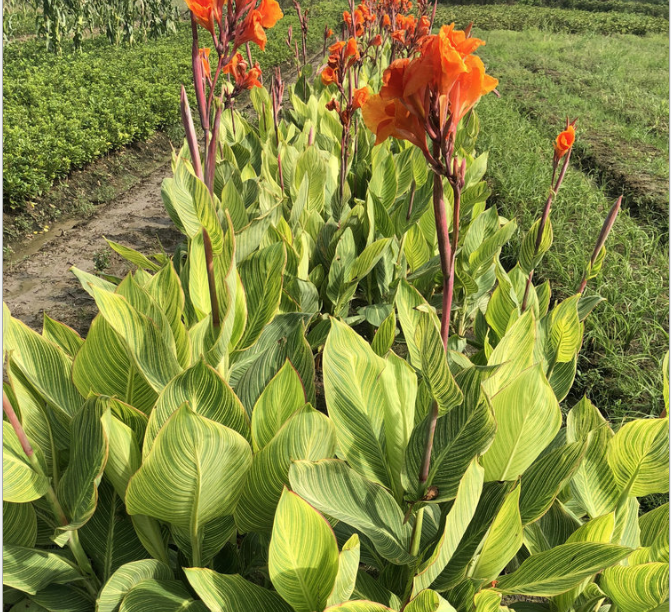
(251, 79)
(393, 79)
(269, 13)
(376, 42)
(469, 88)
(336, 47)
(347, 18)
(329, 76)
(351, 51)
(265, 16)
(252, 31)
(232, 66)
(205, 60)
(443, 81)
(399, 36)
(386, 21)
(392, 118)
(204, 12)
(329, 33)
(564, 142)
(360, 97)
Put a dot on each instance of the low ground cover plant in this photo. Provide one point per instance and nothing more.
(333, 395)
(46, 135)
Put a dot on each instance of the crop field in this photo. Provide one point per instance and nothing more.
(373, 319)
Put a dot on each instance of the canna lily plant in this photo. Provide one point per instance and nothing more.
(223, 438)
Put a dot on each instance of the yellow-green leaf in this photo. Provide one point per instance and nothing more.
(303, 554)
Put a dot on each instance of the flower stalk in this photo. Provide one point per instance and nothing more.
(563, 149)
(600, 242)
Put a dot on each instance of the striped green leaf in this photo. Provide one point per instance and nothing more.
(369, 589)
(399, 387)
(278, 401)
(654, 524)
(194, 474)
(514, 354)
(565, 330)
(456, 523)
(338, 491)
(407, 301)
(434, 366)
(215, 534)
(428, 601)
(61, 598)
(365, 262)
(460, 435)
(19, 524)
(21, 483)
(356, 402)
(416, 249)
(348, 564)
(557, 570)
(282, 339)
(528, 418)
(45, 365)
(61, 335)
(189, 198)
(165, 595)
(642, 588)
(47, 434)
(78, 488)
(593, 483)
(484, 256)
(222, 592)
(133, 256)
(546, 477)
(638, 454)
(596, 530)
(207, 394)
(529, 256)
(303, 554)
(103, 366)
(488, 601)
(261, 274)
(166, 290)
(125, 578)
(108, 537)
(308, 435)
(491, 500)
(385, 335)
(338, 290)
(31, 570)
(153, 354)
(88, 280)
(503, 540)
(124, 456)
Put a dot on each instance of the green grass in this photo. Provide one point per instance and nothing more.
(62, 112)
(626, 337)
(520, 17)
(622, 106)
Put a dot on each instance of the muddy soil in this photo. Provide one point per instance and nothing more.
(40, 281)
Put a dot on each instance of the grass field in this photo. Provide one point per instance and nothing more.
(607, 68)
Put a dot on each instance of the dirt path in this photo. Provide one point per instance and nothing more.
(41, 282)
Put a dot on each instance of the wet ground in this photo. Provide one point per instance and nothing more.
(39, 280)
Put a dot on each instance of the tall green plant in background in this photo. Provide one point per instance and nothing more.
(289, 413)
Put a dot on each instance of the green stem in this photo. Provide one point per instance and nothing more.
(417, 532)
